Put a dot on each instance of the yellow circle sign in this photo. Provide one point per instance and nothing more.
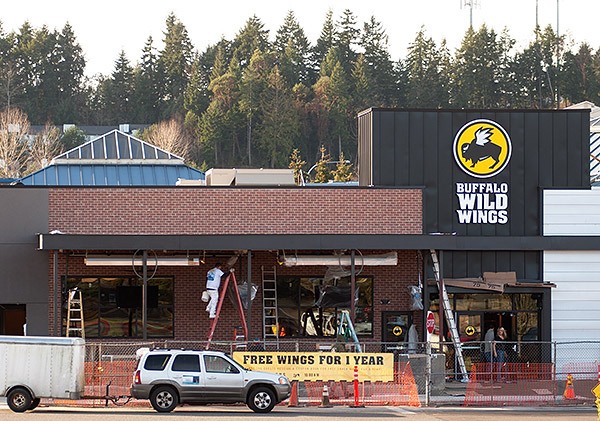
(397, 330)
(469, 330)
(482, 148)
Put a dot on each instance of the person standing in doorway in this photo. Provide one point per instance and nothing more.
(488, 346)
(499, 347)
(213, 282)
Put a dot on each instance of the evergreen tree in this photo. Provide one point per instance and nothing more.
(70, 69)
(303, 99)
(378, 66)
(426, 86)
(346, 39)
(343, 170)
(278, 132)
(44, 92)
(176, 61)
(72, 137)
(579, 80)
(119, 91)
(219, 63)
(293, 51)
(361, 94)
(324, 43)
(252, 88)
(22, 63)
(148, 83)
(534, 72)
(333, 100)
(196, 95)
(252, 37)
(297, 164)
(322, 172)
(220, 124)
(480, 69)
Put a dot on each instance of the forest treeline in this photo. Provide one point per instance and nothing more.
(261, 99)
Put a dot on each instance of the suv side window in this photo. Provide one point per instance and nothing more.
(216, 364)
(156, 362)
(186, 362)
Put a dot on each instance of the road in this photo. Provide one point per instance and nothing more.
(235, 413)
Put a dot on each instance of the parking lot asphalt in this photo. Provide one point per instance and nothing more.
(240, 412)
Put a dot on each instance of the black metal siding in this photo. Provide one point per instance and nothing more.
(414, 148)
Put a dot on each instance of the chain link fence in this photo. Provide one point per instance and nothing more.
(531, 373)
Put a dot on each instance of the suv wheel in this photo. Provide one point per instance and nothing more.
(261, 399)
(164, 399)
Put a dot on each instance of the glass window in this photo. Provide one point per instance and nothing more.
(216, 364)
(112, 306)
(185, 362)
(310, 306)
(470, 302)
(157, 362)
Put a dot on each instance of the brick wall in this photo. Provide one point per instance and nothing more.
(219, 211)
(192, 322)
(208, 211)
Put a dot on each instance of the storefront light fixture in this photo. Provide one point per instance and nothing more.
(388, 259)
(106, 260)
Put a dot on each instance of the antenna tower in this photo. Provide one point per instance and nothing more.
(470, 4)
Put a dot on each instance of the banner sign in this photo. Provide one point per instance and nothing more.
(325, 366)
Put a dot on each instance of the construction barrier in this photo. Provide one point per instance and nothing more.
(419, 378)
(400, 392)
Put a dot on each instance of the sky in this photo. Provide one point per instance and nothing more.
(105, 28)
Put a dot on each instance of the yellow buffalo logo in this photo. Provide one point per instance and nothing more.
(482, 148)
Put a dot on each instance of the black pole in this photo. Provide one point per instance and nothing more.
(145, 295)
(352, 288)
(249, 294)
(55, 330)
(441, 301)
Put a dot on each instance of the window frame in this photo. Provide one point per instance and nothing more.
(103, 302)
(301, 311)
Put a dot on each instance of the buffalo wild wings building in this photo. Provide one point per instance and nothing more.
(468, 184)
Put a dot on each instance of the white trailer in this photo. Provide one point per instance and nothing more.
(34, 367)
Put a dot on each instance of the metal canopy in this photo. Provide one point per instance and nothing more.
(312, 242)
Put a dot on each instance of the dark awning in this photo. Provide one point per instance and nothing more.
(313, 242)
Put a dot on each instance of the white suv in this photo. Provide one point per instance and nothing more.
(168, 377)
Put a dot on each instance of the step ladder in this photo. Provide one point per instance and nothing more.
(270, 312)
(239, 339)
(449, 314)
(242, 336)
(346, 329)
(75, 325)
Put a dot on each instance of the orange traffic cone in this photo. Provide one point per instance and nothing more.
(569, 390)
(294, 395)
(325, 399)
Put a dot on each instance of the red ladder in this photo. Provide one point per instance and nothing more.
(238, 300)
